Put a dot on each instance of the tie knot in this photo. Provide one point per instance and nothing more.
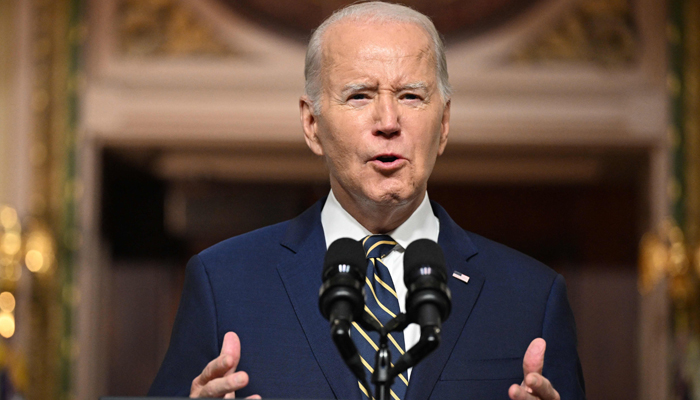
(378, 246)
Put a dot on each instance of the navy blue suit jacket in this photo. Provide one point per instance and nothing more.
(264, 285)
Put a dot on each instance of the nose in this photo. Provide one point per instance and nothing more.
(386, 116)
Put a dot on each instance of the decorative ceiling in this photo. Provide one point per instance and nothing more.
(453, 18)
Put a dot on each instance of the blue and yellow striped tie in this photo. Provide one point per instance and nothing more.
(382, 304)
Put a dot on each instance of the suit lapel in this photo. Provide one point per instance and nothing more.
(301, 276)
(458, 249)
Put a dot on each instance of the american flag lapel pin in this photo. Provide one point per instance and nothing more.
(461, 276)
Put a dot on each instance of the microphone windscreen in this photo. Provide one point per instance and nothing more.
(345, 251)
(421, 253)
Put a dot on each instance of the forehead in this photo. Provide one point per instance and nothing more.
(378, 49)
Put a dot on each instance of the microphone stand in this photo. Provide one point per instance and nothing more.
(340, 333)
(384, 373)
(345, 294)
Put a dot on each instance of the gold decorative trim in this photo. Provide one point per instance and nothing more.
(691, 118)
(48, 158)
(166, 28)
(593, 31)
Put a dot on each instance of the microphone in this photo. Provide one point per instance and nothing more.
(429, 300)
(342, 296)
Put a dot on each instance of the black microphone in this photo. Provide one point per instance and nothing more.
(341, 296)
(428, 301)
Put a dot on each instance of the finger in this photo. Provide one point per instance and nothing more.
(518, 392)
(232, 346)
(225, 386)
(215, 369)
(541, 387)
(254, 396)
(533, 361)
(223, 365)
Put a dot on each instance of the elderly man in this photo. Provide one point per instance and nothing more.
(377, 109)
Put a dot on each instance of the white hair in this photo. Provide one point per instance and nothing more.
(373, 11)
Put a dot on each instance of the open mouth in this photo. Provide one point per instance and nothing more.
(387, 159)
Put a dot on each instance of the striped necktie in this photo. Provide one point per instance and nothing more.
(382, 304)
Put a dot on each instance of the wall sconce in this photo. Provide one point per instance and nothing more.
(35, 250)
(665, 254)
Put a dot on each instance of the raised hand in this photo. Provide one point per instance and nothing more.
(219, 378)
(534, 386)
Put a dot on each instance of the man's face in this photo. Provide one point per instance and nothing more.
(382, 122)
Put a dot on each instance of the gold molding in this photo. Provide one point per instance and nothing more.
(601, 32)
(691, 119)
(166, 28)
(49, 20)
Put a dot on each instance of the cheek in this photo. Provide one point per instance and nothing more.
(339, 156)
(341, 144)
(426, 157)
(337, 150)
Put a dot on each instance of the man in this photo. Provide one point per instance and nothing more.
(376, 108)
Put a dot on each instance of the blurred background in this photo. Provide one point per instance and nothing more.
(135, 133)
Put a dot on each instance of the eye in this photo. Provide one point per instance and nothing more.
(411, 97)
(358, 96)
(359, 99)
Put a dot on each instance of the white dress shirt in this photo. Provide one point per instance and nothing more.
(422, 224)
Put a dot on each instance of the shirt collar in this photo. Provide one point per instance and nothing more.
(338, 223)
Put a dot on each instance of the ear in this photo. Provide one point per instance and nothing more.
(444, 127)
(309, 122)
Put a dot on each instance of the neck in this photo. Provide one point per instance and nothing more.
(378, 218)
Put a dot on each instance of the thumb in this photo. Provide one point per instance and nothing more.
(534, 357)
(231, 347)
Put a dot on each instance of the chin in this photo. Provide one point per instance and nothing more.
(390, 192)
(395, 197)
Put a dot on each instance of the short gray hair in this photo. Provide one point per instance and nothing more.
(373, 11)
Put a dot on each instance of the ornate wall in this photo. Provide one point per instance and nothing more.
(549, 91)
(554, 93)
(670, 253)
(38, 136)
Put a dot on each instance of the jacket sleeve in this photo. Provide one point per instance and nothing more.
(194, 339)
(561, 362)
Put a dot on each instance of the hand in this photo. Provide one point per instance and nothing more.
(535, 386)
(219, 378)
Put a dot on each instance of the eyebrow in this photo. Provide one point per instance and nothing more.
(357, 87)
(415, 86)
